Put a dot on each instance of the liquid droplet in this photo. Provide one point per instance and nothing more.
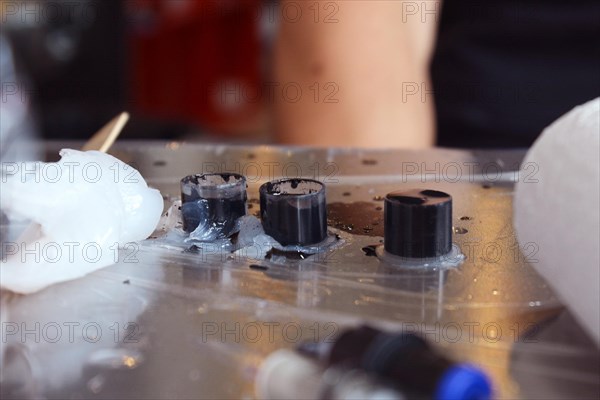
(116, 358)
(96, 384)
(129, 361)
(378, 198)
(259, 267)
(495, 292)
(194, 375)
(459, 230)
(370, 251)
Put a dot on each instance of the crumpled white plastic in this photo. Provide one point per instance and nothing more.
(556, 212)
(88, 205)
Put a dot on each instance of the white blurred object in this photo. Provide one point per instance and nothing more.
(88, 204)
(556, 209)
(285, 374)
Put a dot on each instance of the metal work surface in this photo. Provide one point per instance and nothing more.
(167, 323)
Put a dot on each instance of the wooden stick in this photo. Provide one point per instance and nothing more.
(106, 136)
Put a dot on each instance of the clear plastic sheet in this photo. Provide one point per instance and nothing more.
(181, 323)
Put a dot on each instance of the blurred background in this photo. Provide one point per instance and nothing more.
(181, 68)
(203, 69)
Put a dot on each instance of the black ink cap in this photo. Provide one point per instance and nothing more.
(418, 223)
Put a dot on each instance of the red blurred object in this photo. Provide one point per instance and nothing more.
(197, 61)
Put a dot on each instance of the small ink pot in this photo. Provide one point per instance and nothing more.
(294, 211)
(213, 202)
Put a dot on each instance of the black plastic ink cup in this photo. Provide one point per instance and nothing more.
(294, 211)
(418, 223)
(214, 202)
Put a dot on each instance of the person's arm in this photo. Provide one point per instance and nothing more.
(364, 78)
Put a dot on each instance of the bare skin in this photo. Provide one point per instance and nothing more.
(363, 70)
